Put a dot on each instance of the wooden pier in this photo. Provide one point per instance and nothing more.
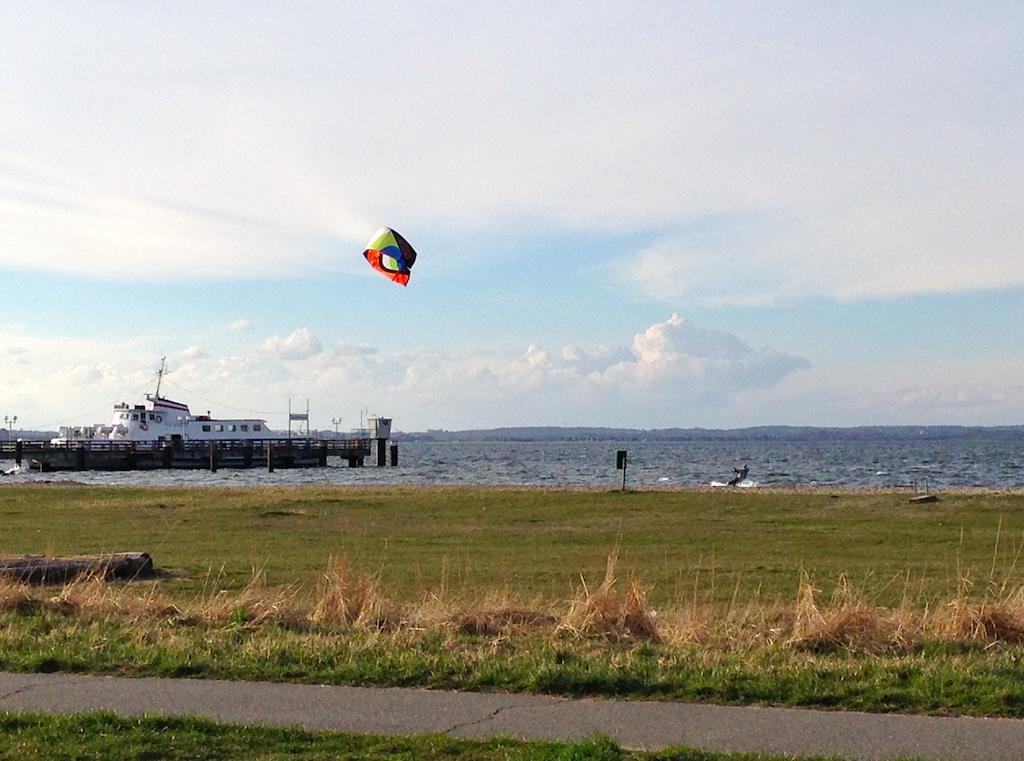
(192, 455)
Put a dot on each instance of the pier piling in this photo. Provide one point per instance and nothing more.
(394, 455)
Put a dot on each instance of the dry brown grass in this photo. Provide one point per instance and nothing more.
(610, 613)
(848, 622)
(998, 617)
(491, 622)
(349, 600)
(254, 604)
(845, 621)
(94, 594)
(493, 614)
(16, 596)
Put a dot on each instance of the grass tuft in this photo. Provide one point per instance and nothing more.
(254, 604)
(16, 596)
(611, 613)
(349, 600)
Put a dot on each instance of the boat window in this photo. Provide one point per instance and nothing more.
(245, 427)
(206, 428)
(257, 427)
(135, 416)
(218, 427)
(152, 416)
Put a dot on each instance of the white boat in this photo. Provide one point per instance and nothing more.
(165, 420)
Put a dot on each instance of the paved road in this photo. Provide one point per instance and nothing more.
(634, 724)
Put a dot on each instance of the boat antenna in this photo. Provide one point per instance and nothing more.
(160, 375)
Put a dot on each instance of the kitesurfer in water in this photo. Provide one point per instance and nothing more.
(741, 473)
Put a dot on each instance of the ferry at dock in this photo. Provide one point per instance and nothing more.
(164, 420)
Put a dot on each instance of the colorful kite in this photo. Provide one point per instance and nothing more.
(391, 255)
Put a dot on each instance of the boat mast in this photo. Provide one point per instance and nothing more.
(160, 375)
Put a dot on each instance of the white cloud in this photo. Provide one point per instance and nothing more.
(888, 142)
(118, 234)
(353, 349)
(78, 375)
(301, 344)
(672, 373)
(594, 358)
(710, 361)
(952, 392)
(240, 324)
(193, 352)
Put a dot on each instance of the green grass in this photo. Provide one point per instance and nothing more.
(102, 736)
(533, 541)
(718, 547)
(934, 678)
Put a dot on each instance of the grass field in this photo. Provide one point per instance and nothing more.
(857, 601)
(536, 542)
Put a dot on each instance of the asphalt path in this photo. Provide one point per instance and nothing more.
(634, 724)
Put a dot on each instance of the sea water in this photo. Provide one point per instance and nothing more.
(935, 463)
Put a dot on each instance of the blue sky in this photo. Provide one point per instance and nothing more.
(653, 215)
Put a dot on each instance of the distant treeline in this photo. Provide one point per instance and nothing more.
(22, 433)
(758, 433)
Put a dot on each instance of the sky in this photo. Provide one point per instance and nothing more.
(645, 215)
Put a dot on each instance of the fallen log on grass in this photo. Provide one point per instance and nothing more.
(39, 569)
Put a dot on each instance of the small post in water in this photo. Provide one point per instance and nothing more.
(620, 464)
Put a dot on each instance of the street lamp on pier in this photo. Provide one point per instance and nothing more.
(10, 422)
(336, 421)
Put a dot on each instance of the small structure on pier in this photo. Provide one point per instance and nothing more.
(379, 429)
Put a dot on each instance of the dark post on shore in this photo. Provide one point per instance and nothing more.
(620, 464)
(394, 455)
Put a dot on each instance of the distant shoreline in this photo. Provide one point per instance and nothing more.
(753, 433)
